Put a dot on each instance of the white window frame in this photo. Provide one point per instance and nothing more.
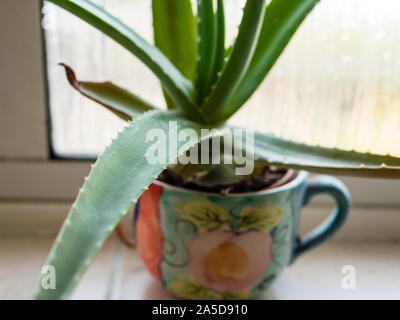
(27, 170)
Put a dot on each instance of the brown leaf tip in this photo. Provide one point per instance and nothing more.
(70, 75)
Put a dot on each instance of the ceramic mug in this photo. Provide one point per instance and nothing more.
(201, 245)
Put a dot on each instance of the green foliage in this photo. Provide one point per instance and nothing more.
(288, 154)
(179, 88)
(215, 105)
(220, 39)
(176, 38)
(282, 18)
(119, 101)
(116, 181)
(210, 46)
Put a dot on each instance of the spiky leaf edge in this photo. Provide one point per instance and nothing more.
(281, 21)
(288, 154)
(118, 178)
(215, 105)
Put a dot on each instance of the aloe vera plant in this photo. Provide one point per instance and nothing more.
(204, 84)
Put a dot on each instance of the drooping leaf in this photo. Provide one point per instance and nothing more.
(119, 101)
(206, 215)
(215, 105)
(179, 88)
(175, 35)
(206, 48)
(288, 154)
(116, 181)
(282, 19)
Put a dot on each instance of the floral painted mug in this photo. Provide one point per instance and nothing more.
(208, 246)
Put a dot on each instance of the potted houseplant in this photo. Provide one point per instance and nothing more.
(206, 228)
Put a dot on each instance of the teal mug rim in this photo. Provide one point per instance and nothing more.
(301, 177)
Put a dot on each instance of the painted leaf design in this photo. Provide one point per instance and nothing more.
(206, 215)
(189, 289)
(260, 219)
(280, 245)
(234, 296)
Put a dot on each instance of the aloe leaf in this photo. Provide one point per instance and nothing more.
(282, 19)
(176, 37)
(116, 181)
(206, 46)
(288, 154)
(177, 86)
(119, 101)
(215, 106)
(227, 54)
(220, 41)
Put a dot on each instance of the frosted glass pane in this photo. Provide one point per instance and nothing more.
(79, 126)
(337, 83)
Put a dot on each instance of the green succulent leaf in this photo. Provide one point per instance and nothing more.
(116, 181)
(119, 101)
(220, 42)
(206, 215)
(215, 106)
(220, 174)
(287, 154)
(206, 47)
(175, 35)
(282, 19)
(179, 88)
(211, 46)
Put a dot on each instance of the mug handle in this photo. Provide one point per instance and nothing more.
(339, 192)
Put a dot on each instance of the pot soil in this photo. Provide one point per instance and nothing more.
(269, 177)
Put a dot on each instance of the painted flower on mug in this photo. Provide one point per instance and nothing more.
(225, 259)
(227, 262)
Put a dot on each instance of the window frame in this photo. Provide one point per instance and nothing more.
(28, 164)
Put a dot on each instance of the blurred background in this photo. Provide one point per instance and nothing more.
(336, 85)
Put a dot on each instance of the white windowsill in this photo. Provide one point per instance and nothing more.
(117, 272)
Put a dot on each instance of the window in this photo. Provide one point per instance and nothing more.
(80, 127)
(338, 76)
